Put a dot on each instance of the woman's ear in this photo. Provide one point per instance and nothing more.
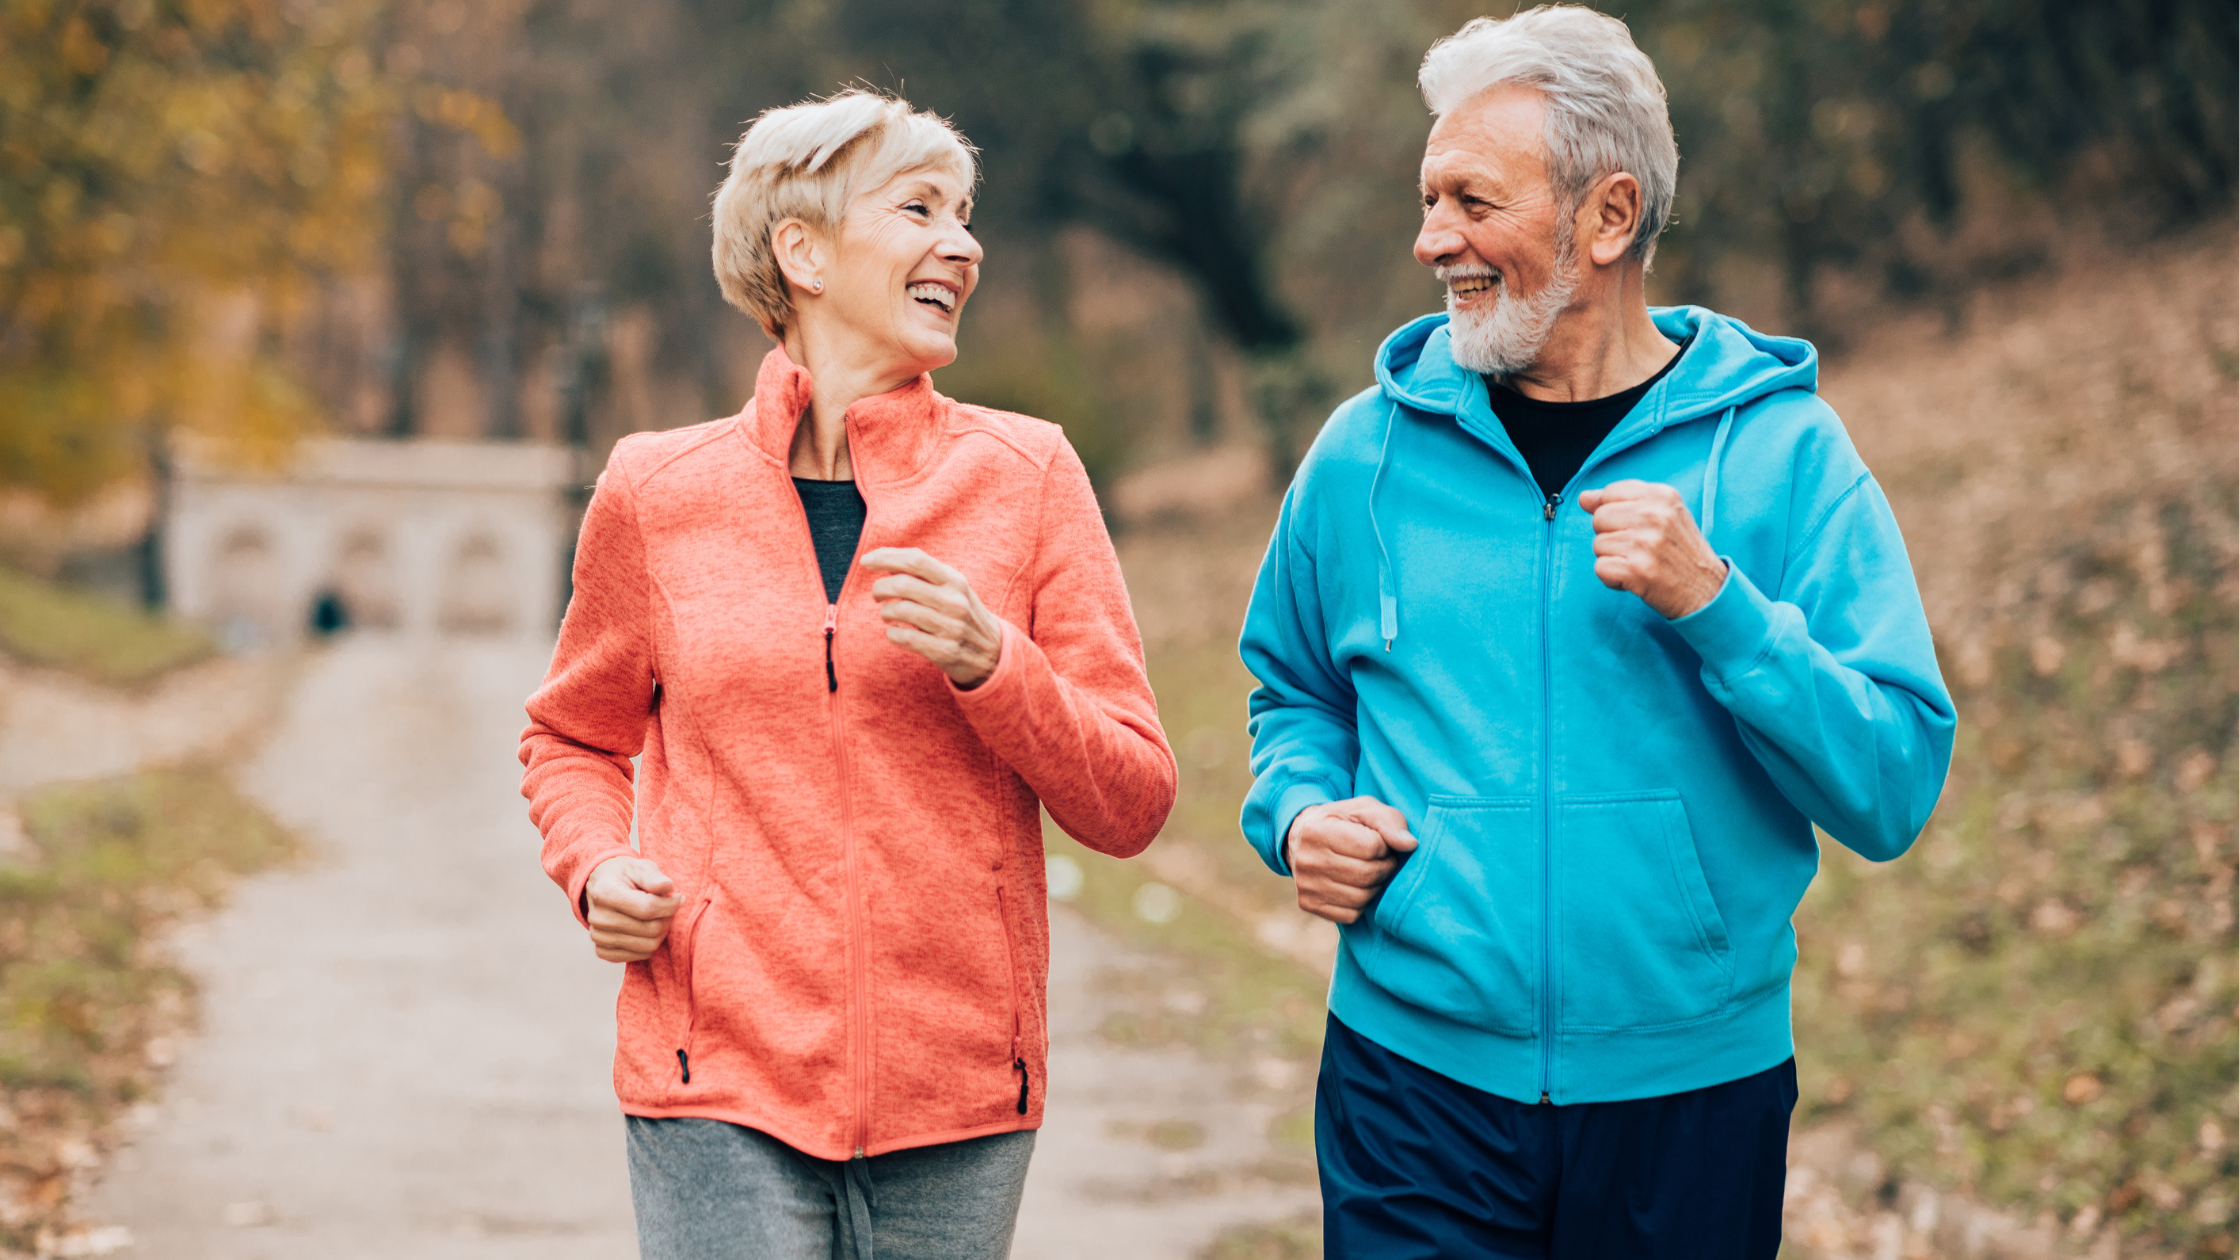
(802, 255)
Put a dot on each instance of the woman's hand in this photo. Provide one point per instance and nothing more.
(629, 903)
(930, 609)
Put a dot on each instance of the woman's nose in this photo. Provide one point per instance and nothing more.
(961, 247)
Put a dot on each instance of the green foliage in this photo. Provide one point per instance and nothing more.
(176, 176)
(42, 623)
(1297, 1239)
(83, 999)
(1845, 134)
(2038, 1004)
(1048, 383)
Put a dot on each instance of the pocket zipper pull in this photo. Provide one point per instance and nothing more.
(684, 1066)
(1021, 1064)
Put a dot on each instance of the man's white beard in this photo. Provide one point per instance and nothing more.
(1509, 338)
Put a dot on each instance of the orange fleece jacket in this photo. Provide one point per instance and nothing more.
(859, 964)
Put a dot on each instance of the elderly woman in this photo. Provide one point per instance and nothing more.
(858, 635)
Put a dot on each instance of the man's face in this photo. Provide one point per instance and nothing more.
(1494, 232)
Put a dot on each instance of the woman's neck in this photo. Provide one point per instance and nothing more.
(841, 372)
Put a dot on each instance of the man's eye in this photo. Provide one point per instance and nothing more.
(968, 227)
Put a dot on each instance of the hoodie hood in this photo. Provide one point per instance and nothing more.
(1724, 366)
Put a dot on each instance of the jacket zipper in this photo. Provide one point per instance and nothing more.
(859, 949)
(691, 991)
(859, 970)
(1547, 798)
(1011, 965)
(831, 623)
(859, 966)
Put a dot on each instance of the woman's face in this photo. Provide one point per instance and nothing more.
(903, 263)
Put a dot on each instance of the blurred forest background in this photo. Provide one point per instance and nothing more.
(2008, 222)
(431, 217)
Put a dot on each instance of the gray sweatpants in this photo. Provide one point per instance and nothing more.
(706, 1190)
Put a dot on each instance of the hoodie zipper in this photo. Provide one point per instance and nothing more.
(1547, 797)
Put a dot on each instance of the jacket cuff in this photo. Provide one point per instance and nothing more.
(1734, 630)
(999, 691)
(1294, 801)
(582, 878)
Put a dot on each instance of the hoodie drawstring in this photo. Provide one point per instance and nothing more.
(1711, 473)
(1388, 600)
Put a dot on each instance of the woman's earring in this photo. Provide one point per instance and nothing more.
(816, 286)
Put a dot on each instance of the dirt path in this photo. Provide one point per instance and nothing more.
(406, 1045)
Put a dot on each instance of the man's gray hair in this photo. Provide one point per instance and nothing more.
(1605, 105)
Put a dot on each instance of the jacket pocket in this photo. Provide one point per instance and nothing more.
(1458, 930)
(688, 963)
(1011, 976)
(1642, 941)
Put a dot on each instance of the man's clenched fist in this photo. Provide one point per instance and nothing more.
(629, 903)
(1343, 852)
(1646, 542)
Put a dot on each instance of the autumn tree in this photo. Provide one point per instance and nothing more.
(175, 177)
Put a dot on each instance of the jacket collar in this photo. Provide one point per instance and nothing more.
(889, 435)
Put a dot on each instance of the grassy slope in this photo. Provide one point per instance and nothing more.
(42, 623)
(2038, 1004)
(88, 1010)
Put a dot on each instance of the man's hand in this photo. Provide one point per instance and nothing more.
(1343, 852)
(930, 609)
(1646, 542)
(629, 902)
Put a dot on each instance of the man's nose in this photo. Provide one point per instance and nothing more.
(1439, 241)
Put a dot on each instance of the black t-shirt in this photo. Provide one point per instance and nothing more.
(1556, 438)
(836, 511)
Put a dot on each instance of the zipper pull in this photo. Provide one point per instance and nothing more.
(684, 1066)
(1021, 1064)
(1548, 509)
(831, 623)
(1544, 1099)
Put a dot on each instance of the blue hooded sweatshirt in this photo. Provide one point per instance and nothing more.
(1613, 811)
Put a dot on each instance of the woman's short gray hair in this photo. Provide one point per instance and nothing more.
(1605, 105)
(807, 162)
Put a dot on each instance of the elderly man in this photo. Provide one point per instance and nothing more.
(1571, 630)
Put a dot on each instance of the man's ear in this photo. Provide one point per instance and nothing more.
(1609, 216)
(801, 253)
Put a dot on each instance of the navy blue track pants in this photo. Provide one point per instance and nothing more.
(1416, 1165)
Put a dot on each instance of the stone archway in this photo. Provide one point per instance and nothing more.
(246, 589)
(364, 580)
(477, 595)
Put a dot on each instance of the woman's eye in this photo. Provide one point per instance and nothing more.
(968, 227)
(916, 207)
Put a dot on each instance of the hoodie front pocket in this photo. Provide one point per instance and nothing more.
(1457, 931)
(1642, 943)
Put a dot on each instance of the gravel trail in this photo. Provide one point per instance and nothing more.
(406, 1043)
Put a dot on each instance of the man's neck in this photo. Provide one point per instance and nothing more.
(1604, 344)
